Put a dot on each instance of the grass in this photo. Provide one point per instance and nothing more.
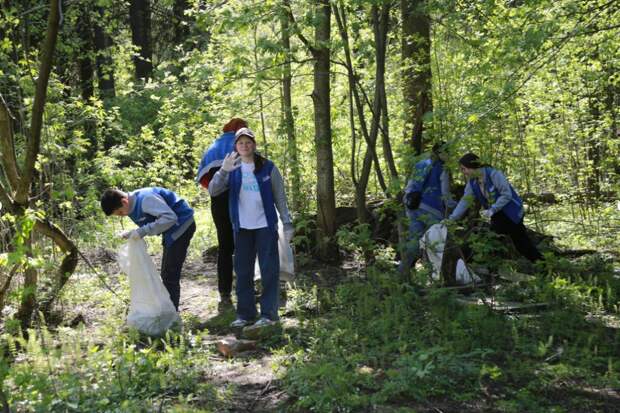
(361, 341)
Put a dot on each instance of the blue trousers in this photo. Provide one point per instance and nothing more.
(249, 243)
(419, 222)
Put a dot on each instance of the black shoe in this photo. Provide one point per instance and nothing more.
(225, 304)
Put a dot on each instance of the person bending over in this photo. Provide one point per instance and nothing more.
(157, 211)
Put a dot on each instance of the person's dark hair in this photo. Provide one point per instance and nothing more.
(111, 200)
(259, 161)
(471, 161)
(234, 125)
(439, 147)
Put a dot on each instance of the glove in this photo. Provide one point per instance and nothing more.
(413, 199)
(289, 232)
(132, 234)
(231, 162)
(487, 213)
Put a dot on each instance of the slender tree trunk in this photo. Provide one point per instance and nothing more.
(287, 108)
(326, 200)
(380, 21)
(85, 62)
(105, 68)
(15, 196)
(416, 72)
(260, 96)
(87, 72)
(29, 294)
(140, 22)
(181, 29)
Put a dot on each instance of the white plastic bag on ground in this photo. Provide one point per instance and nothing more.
(433, 243)
(287, 259)
(464, 275)
(151, 311)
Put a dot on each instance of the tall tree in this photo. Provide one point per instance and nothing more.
(181, 28)
(103, 59)
(380, 19)
(287, 105)
(416, 69)
(140, 22)
(15, 193)
(326, 199)
(86, 76)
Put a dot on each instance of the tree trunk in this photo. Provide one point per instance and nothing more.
(34, 139)
(287, 109)
(416, 69)
(326, 200)
(85, 62)
(87, 71)
(261, 104)
(181, 29)
(105, 68)
(15, 196)
(140, 22)
(29, 294)
(380, 27)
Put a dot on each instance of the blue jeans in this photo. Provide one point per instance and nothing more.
(419, 222)
(249, 242)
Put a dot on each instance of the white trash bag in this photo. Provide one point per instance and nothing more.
(287, 259)
(433, 243)
(151, 311)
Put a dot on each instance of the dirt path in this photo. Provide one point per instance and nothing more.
(249, 376)
(247, 380)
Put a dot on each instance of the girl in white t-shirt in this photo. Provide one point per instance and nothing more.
(256, 190)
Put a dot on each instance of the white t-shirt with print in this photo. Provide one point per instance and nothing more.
(251, 209)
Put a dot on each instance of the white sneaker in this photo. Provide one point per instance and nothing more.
(240, 322)
(263, 322)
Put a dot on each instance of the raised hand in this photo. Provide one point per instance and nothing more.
(231, 162)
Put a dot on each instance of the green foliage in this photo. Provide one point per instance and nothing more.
(72, 374)
(383, 344)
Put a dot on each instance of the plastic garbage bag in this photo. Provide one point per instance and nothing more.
(287, 258)
(433, 243)
(464, 275)
(151, 311)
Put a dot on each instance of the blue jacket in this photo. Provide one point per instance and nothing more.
(497, 190)
(214, 156)
(179, 206)
(433, 183)
(501, 196)
(263, 178)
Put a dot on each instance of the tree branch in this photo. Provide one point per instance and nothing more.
(33, 143)
(69, 262)
(297, 30)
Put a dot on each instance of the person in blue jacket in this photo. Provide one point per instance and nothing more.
(427, 199)
(157, 211)
(255, 190)
(211, 162)
(500, 201)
